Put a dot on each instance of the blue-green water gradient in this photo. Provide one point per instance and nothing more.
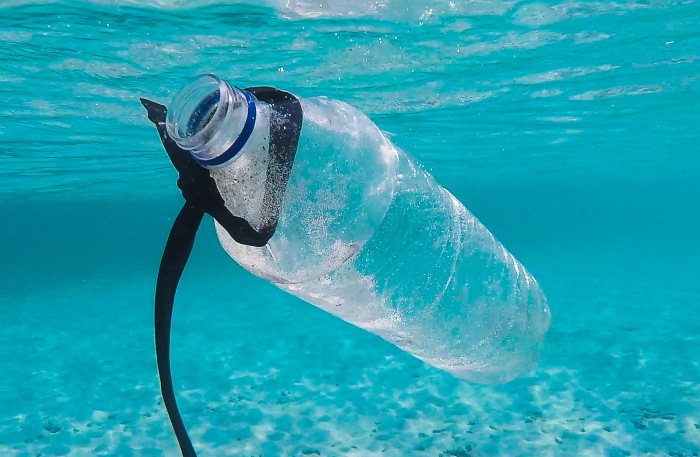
(571, 129)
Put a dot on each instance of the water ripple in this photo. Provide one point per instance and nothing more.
(71, 76)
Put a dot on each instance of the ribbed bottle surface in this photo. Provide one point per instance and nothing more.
(368, 236)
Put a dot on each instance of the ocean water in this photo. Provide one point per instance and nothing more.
(570, 128)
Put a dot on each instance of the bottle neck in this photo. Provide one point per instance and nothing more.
(211, 120)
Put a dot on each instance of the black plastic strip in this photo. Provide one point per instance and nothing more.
(202, 196)
(286, 118)
(177, 252)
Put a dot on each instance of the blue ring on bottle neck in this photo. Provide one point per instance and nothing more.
(205, 107)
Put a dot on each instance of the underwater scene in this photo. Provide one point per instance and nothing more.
(349, 301)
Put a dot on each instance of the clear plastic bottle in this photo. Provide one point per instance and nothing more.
(367, 235)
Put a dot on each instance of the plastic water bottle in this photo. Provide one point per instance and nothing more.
(369, 236)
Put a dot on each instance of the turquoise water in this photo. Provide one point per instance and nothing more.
(570, 129)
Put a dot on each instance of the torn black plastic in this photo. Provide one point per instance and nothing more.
(202, 196)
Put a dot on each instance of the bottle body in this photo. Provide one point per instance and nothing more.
(367, 235)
